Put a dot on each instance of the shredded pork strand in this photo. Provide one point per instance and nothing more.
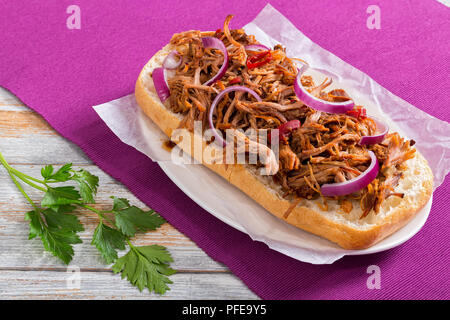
(323, 150)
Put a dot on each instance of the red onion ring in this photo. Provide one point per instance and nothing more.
(158, 75)
(218, 137)
(355, 184)
(317, 103)
(160, 83)
(256, 47)
(211, 42)
(170, 62)
(376, 138)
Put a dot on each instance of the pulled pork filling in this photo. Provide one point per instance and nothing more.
(323, 150)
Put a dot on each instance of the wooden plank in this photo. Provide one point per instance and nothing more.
(10, 102)
(41, 150)
(108, 186)
(27, 138)
(25, 123)
(10, 198)
(16, 251)
(106, 285)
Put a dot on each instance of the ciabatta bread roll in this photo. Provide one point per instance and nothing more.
(349, 230)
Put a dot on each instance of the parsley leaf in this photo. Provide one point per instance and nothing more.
(130, 219)
(64, 208)
(58, 231)
(120, 203)
(57, 196)
(107, 240)
(146, 267)
(62, 220)
(47, 171)
(63, 174)
(88, 184)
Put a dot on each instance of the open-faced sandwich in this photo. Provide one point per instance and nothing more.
(338, 172)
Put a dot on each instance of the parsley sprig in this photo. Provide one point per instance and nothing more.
(52, 220)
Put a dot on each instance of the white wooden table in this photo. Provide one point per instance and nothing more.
(27, 272)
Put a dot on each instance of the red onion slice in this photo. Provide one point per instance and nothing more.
(256, 47)
(170, 62)
(317, 103)
(211, 42)
(218, 137)
(355, 184)
(382, 128)
(160, 84)
(286, 128)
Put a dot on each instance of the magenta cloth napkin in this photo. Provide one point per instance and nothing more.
(61, 73)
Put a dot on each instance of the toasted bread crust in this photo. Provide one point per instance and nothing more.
(345, 235)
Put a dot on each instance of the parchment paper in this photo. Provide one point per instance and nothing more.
(270, 27)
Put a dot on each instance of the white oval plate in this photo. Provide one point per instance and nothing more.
(232, 206)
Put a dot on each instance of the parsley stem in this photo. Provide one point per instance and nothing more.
(21, 175)
(129, 243)
(13, 178)
(4, 163)
(24, 179)
(90, 208)
(19, 186)
(98, 212)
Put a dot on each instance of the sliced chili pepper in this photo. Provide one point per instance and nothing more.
(255, 61)
(358, 112)
(235, 80)
(353, 113)
(259, 56)
(364, 113)
(258, 64)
